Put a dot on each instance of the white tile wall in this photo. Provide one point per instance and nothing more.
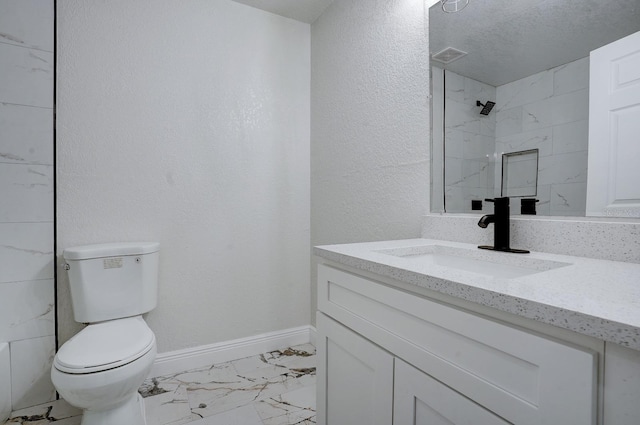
(546, 111)
(469, 142)
(549, 111)
(27, 133)
(31, 361)
(5, 382)
(26, 251)
(27, 23)
(30, 189)
(26, 211)
(26, 310)
(27, 76)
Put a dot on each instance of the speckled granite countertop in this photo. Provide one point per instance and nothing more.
(598, 298)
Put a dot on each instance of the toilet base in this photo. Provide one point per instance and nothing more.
(130, 412)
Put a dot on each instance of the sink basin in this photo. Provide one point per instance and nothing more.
(486, 263)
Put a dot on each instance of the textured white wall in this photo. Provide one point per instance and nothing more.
(370, 122)
(188, 123)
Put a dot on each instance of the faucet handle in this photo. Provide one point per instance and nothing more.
(502, 201)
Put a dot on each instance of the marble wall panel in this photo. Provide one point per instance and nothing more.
(568, 199)
(30, 190)
(537, 115)
(475, 90)
(477, 146)
(27, 76)
(543, 207)
(555, 121)
(26, 186)
(5, 382)
(508, 121)
(460, 116)
(563, 168)
(455, 140)
(539, 139)
(571, 137)
(27, 134)
(454, 87)
(26, 252)
(453, 172)
(27, 23)
(26, 310)
(31, 361)
(570, 107)
(469, 142)
(571, 77)
(527, 90)
(454, 198)
(475, 173)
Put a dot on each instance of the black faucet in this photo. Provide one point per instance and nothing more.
(500, 220)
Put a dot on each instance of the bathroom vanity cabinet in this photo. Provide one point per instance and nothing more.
(386, 355)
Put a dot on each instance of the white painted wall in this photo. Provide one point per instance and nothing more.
(26, 209)
(370, 122)
(188, 123)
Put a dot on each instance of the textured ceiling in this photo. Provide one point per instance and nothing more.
(300, 10)
(508, 39)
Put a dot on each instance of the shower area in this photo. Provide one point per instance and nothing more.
(466, 139)
(526, 139)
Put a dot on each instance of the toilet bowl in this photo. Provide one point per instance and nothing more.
(100, 369)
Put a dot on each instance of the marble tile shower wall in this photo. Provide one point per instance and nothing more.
(550, 111)
(470, 143)
(26, 187)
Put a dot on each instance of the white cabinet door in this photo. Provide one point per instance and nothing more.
(355, 377)
(523, 377)
(421, 400)
(614, 126)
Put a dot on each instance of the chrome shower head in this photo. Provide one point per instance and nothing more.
(487, 107)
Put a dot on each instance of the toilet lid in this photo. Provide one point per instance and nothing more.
(106, 345)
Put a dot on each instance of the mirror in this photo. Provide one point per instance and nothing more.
(511, 76)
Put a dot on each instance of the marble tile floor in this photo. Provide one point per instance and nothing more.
(274, 388)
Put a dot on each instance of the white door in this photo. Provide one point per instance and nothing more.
(421, 400)
(613, 184)
(355, 377)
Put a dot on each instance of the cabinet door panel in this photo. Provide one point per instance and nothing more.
(421, 400)
(523, 377)
(355, 377)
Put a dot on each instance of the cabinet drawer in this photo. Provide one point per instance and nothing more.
(522, 377)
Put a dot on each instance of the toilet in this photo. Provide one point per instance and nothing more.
(100, 369)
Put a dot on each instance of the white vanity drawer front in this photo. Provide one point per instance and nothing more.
(522, 377)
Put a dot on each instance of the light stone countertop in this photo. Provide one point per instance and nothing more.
(598, 298)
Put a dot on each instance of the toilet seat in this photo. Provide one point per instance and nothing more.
(105, 345)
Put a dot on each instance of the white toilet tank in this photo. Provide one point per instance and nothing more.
(112, 281)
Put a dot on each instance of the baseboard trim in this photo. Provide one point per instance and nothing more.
(205, 355)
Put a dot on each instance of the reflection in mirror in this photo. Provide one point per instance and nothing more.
(514, 76)
(520, 174)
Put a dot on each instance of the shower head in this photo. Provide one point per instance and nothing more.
(487, 107)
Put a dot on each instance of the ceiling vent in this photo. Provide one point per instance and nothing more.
(448, 55)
